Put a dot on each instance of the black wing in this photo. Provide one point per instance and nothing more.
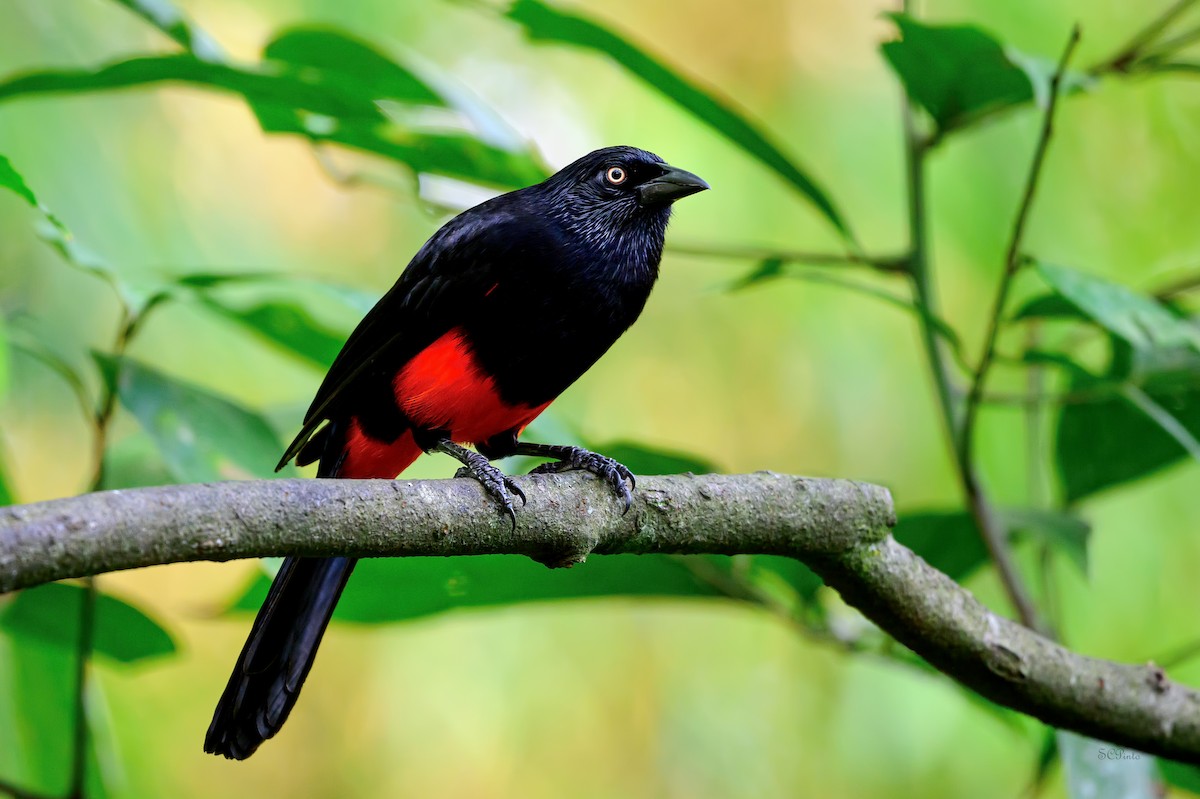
(445, 282)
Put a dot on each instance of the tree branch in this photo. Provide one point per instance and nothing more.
(839, 528)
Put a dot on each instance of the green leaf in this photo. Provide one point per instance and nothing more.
(1060, 530)
(641, 459)
(50, 614)
(1137, 319)
(947, 540)
(767, 269)
(12, 180)
(436, 585)
(4, 345)
(1100, 770)
(348, 66)
(955, 72)
(1107, 441)
(286, 325)
(959, 73)
(37, 714)
(803, 580)
(950, 541)
(134, 461)
(544, 23)
(1047, 306)
(6, 494)
(202, 436)
(322, 85)
(166, 17)
(1180, 775)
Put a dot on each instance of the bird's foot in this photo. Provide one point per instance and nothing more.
(610, 471)
(496, 483)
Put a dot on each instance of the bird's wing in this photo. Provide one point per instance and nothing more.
(444, 282)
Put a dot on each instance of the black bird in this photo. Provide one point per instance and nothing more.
(502, 309)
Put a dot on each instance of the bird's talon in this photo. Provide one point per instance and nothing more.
(496, 483)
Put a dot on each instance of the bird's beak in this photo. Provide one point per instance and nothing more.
(669, 186)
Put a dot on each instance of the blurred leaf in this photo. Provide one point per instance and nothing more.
(6, 494)
(1138, 319)
(955, 72)
(544, 23)
(50, 614)
(322, 85)
(641, 459)
(1047, 757)
(767, 269)
(202, 436)
(803, 580)
(166, 16)
(287, 325)
(950, 542)
(1100, 770)
(1180, 775)
(4, 360)
(436, 585)
(1040, 72)
(39, 719)
(959, 73)
(1110, 440)
(348, 66)
(947, 540)
(38, 680)
(12, 180)
(1165, 420)
(1047, 306)
(1060, 530)
(134, 461)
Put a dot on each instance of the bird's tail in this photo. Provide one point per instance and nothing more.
(281, 648)
(283, 642)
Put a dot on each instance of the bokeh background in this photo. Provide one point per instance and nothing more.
(608, 697)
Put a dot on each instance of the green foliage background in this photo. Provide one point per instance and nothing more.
(258, 235)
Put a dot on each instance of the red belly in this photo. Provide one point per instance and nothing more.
(442, 388)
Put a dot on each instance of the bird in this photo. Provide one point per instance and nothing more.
(502, 309)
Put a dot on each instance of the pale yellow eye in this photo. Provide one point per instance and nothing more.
(616, 175)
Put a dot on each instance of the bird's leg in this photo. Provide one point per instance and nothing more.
(495, 482)
(567, 458)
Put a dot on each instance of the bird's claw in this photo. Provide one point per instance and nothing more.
(496, 483)
(610, 471)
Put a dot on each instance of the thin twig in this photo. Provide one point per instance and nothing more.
(897, 264)
(1178, 287)
(990, 526)
(1012, 258)
(1168, 47)
(1128, 55)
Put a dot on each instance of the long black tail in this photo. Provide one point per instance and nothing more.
(281, 648)
(283, 642)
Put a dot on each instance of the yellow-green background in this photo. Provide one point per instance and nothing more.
(618, 698)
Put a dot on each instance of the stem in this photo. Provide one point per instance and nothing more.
(895, 264)
(991, 528)
(923, 294)
(1012, 258)
(1127, 55)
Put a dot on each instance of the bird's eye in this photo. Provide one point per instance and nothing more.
(616, 175)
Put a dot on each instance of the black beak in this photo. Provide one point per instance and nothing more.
(668, 187)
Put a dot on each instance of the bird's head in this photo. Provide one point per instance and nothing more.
(619, 193)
